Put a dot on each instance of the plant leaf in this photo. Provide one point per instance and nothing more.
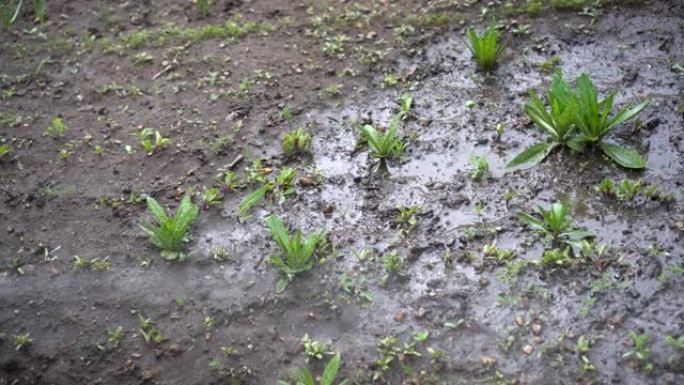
(281, 285)
(530, 157)
(330, 371)
(623, 156)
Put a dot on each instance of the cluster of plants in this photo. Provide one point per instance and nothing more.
(577, 119)
(627, 190)
(279, 188)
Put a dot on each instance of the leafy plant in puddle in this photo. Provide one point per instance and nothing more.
(303, 376)
(485, 48)
(171, 232)
(558, 122)
(384, 146)
(640, 351)
(296, 142)
(152, 140)
(282, 187)
(577, 119)
(297, 251)
(557, 224)
(594, 122)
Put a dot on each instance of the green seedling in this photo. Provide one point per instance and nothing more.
(594, 122)
(230, 182)
(677, 344)
(557, 224)
(57, 127)
(303, 376)
(149, 332)
(152, 140)
(583, 346)
(39, 10)
(392, 265)
(211, 197)
(9, 13)
(315, 349)
(385, 146)
(96, 264)
(296, 142)
(405, 104)
(172, 232)
(21, 341)
(640, 351)
(627, 190)
(485, 48)
(296, 252)
(405, 219)
(334, 47)
(286, 112)
(114, 336)
(203, 7)
(422, 336)
(5, 149)
(558, 122)
(282, 187)
(390, 80)
(557, 258)
(480, 167)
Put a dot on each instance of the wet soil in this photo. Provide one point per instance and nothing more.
(494, 324)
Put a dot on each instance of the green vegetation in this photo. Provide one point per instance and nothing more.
(281, 187)
(172, 232)
(385, 146)
(149, 331)
(57, 128)
(39, 10)
(296, 142)
(297, 251)
(22, 341)
(315, 349)
(152, 140)
(557, 224)
(9, 13)
(480, 167)
(577, 119)
(485, 48)
(640, 351)
(203, 7)
(303, 376)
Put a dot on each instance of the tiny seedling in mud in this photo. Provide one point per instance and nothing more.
(297, 251)
(229, 182)
(405, 219)
(303, 376)
(296, 142)
(203, 7)
(334, 47)
(405, 103)
(114, 336)
(149, 332)
(211, 197)
(480, 167)
(626, 190)
(485, 48)
(315, 349)
(492, 251)
(5, 149)
(9, 12)
(421, 336)
(390, 80)
(577, 119)
(282, 187)
(557, 257)
(392, 265)
(384, 146)
(583, 346)
(22, 341)
(640, 352)
(57, 127)
(171, 232)
(152, 140)
(677, 344)
(557, 224)
(96, 264)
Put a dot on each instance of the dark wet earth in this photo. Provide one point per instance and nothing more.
(493, 324)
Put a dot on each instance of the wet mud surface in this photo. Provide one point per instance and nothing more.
(494, 321)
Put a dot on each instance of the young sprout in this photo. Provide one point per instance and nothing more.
(390, 80)
(485, 48)
(203, 7)
(149, 332)
(211, 197)
(557, 224)
(296, 142)
(152, 140)
(296, 251)
(405, 219)
(392, 264)
(171, 232)
(39, 10)
(21, 341)
(57, 128)
(314, 349)
(405, 104)
(385, 146)
(480, 167)
(583, 345)
(640, 351)
(303, 376)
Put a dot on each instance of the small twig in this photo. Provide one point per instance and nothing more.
(162, 72)
(235, 161)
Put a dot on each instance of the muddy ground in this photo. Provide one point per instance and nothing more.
(499, 322)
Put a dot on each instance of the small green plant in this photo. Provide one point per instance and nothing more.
(583, 346)
(385, 146)
(334, 47)
(390, 80)
(203, 7)
(556, 223)
(21, 341)
(297, 251)
(557, 122)
(315, 349)
(211, 197)
(282, 187)
(480, 167)
(303, 376)
(405, 219)
(39, 10)
(392, 265)
(171, 232)
(640, 351)
(149, 332)
(5, 149)
(114, 336)
(677, 344)
(57, 127)
(557, 257)
(485, 48)
(627, 189)
(296, 142)
(152, 140)
(9, 13)
(405, 103)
